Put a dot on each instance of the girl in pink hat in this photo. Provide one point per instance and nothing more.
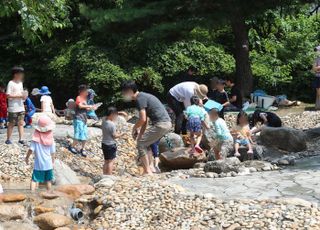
(43, 148)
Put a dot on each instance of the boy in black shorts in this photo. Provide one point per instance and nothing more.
(109, 146)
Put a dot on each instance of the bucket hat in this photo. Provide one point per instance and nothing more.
(44, 90)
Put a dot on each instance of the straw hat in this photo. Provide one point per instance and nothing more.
(201, 91)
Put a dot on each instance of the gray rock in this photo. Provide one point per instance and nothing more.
(231, 164)
(287, 139)
(170, 141)
(64, 174)
(312, 133)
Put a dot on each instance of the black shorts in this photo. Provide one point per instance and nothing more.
(109, 151)
(316, 83)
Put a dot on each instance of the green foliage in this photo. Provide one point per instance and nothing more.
(37, 17)
(283, 54)
(208, 59)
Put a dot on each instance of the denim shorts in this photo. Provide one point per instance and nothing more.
(242, 142)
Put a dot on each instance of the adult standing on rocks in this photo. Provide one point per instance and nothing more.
(179, 99)
(316, 83)
(16, 97)
(148, 106)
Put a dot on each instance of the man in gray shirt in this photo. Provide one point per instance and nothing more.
(149, 107)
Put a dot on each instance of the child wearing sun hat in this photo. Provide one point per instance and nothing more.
(46, 100)
(43, 147)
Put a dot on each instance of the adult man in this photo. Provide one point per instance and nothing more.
(149, 107)
(235, 97)
(16, 97)
(179, 99)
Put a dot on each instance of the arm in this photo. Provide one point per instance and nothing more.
(315, 68)
(84, 105)
(233, 99)
(52, 108)
(42, 106)
(52, 158)
(141, 122)
(28, 155)
(143, 129)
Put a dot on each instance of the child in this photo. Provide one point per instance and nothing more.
(80, 121)
(3, 107)
(46, 101)
(43, 148)
(266, 119)
(16, 109)
(70, 111)
(224, 139)
(155, 154)
(30, 111)
(243, 135)
(195, 118)
(91, 113)
(109, 146)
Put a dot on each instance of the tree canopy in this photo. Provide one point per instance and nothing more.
(65, 43)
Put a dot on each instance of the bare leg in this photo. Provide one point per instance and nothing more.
(145, 164)
(83, 144)
(250, 152)
(192, 141)
(9, 130)
(108, 167)
(217, 154)
(49, 186)
(236, 147)
(33, 185)
(21, 129)
(151, 163)
(156, 161)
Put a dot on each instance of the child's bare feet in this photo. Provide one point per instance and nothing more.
(237, 154)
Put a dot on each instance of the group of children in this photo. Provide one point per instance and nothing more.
(199, 120)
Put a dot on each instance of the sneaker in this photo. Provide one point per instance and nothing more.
(83, 153)
(22, 142)
(198, 149)
(8, 142)
(28, 126)
(73, 150)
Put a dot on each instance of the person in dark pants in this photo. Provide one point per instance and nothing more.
(179, 99)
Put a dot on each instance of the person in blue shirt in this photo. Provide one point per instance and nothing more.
(224, 140)
(30, 111)
(195, 115)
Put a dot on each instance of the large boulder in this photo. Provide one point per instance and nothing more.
(50, 221)
(284, 138)
(12, 197)
(231, 164)
(64, 174)
(170, 141)
(312, 133)
(12, 212)
(76, 190)
(179, 158)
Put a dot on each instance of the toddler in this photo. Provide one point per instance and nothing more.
(70, 112)
(30, 111)
(195, 115)
(3, 107)
(43, 148)
(154, 163)
(223, 136)
(46, 100)
(242, 134)
(109, 145)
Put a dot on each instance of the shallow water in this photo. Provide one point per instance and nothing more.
(310, 163)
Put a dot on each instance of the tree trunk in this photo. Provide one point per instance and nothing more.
(244, 77)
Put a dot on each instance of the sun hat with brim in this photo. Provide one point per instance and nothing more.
(43, 133)
(201, 91)
(44, 90)
(69, 101)
(35, 92)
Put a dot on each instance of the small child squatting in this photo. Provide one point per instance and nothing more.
(109, 145)
(242, 135)
(43, 148)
